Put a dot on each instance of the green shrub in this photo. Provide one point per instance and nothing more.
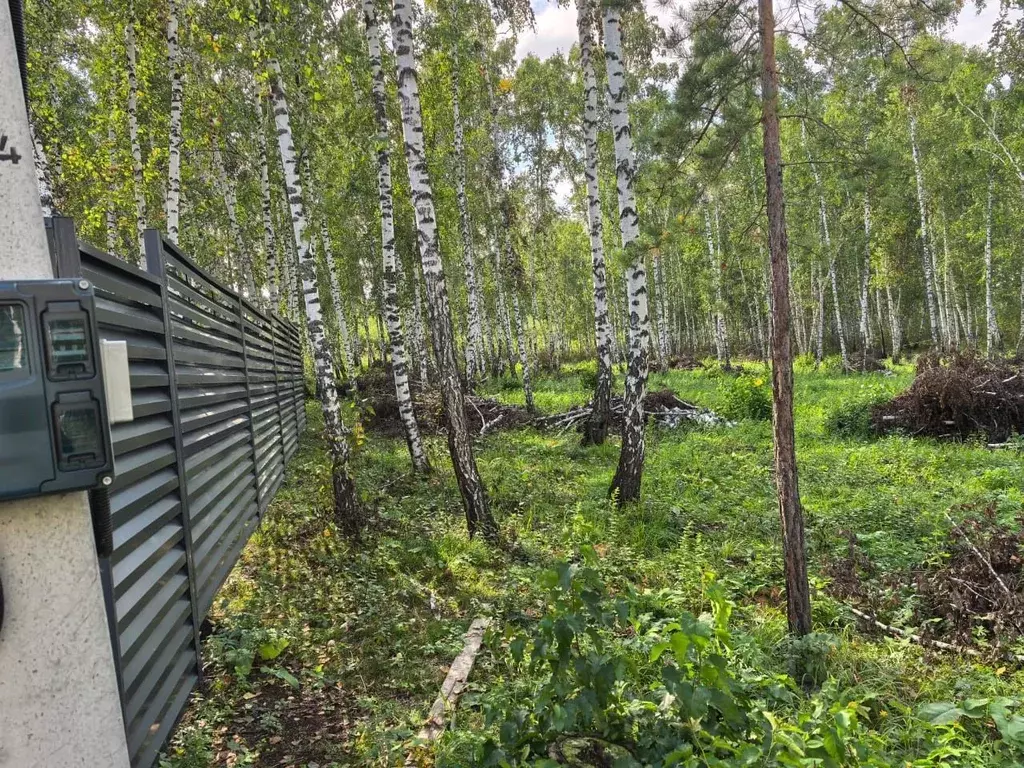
(747, 397)
(599, 674)
(851, 418)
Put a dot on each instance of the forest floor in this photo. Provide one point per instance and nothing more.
(326, 654)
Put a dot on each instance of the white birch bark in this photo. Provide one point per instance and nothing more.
(339, 306)
(419, 334)
(510, 266)
(42, 166)
(266, 205)
(718, 327)
(865, 281)
(392, 312)
(474, 335)
(133, 132)
(110, 214)
(478, 516)
(826, 239)
(346, 506)
(242, 262)
(992, 338)
(926, 245)
(173, 199)
(628, 475)
(662, 309)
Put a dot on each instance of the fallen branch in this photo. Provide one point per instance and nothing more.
(985, 560)
(452, 687)
(904, 634)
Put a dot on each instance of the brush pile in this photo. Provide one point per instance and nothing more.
(955, 398)
(661, 407)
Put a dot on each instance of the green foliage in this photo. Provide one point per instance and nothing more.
(747, 397)
(851, 417)
(653, 691)
(372, 630)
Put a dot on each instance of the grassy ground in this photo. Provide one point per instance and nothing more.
(325, 654)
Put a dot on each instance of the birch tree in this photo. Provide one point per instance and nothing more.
(392, 312)
(625, 485)
(478, 515)
(133, 131)
(347, 511)
(596, 428)
(173, 200)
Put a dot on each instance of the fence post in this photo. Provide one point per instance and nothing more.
(274, 328)
(67, 262)
(155, 265)
(248, 402)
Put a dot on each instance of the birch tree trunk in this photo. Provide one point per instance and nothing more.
(269, 240)
(596, 428)
(626, 483)
(339, 307)
(173, 200)
(474, 336)
(992, 339)
(42, 165)
(717, 318)
(242, 262)
(392, 311)
(826, 239)
(347, 510)
(512, 265)
(422, 352)
(929, 278)
(798, 600)
(865, 282)
(478, 515)
(662, 309)
(133, 132)
(110, 214)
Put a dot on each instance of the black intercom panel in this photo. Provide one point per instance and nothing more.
(54, 432)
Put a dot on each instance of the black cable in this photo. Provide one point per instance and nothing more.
(18, 25)
(102, 523)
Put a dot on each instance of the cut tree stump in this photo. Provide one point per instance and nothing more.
(451, 689)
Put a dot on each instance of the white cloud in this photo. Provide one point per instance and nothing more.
(974, 28)
(556, 27)
(555, 32)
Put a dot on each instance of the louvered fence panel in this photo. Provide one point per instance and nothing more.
(218, 399)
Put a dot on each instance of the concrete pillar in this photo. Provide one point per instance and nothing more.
(59, 703)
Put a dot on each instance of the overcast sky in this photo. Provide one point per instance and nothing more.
(556, 28)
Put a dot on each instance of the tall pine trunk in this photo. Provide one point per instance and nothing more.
(392, 311)
(173, 199)
(133, 132)
(347, 511)
(478, 515)
(798, 599)
(626, 483)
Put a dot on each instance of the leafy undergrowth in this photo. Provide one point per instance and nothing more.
(669, 613)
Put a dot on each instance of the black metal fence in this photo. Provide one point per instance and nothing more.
(218, 400)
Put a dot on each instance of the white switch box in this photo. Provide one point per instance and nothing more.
(117, 381)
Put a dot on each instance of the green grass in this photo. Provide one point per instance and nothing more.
(371, 629)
